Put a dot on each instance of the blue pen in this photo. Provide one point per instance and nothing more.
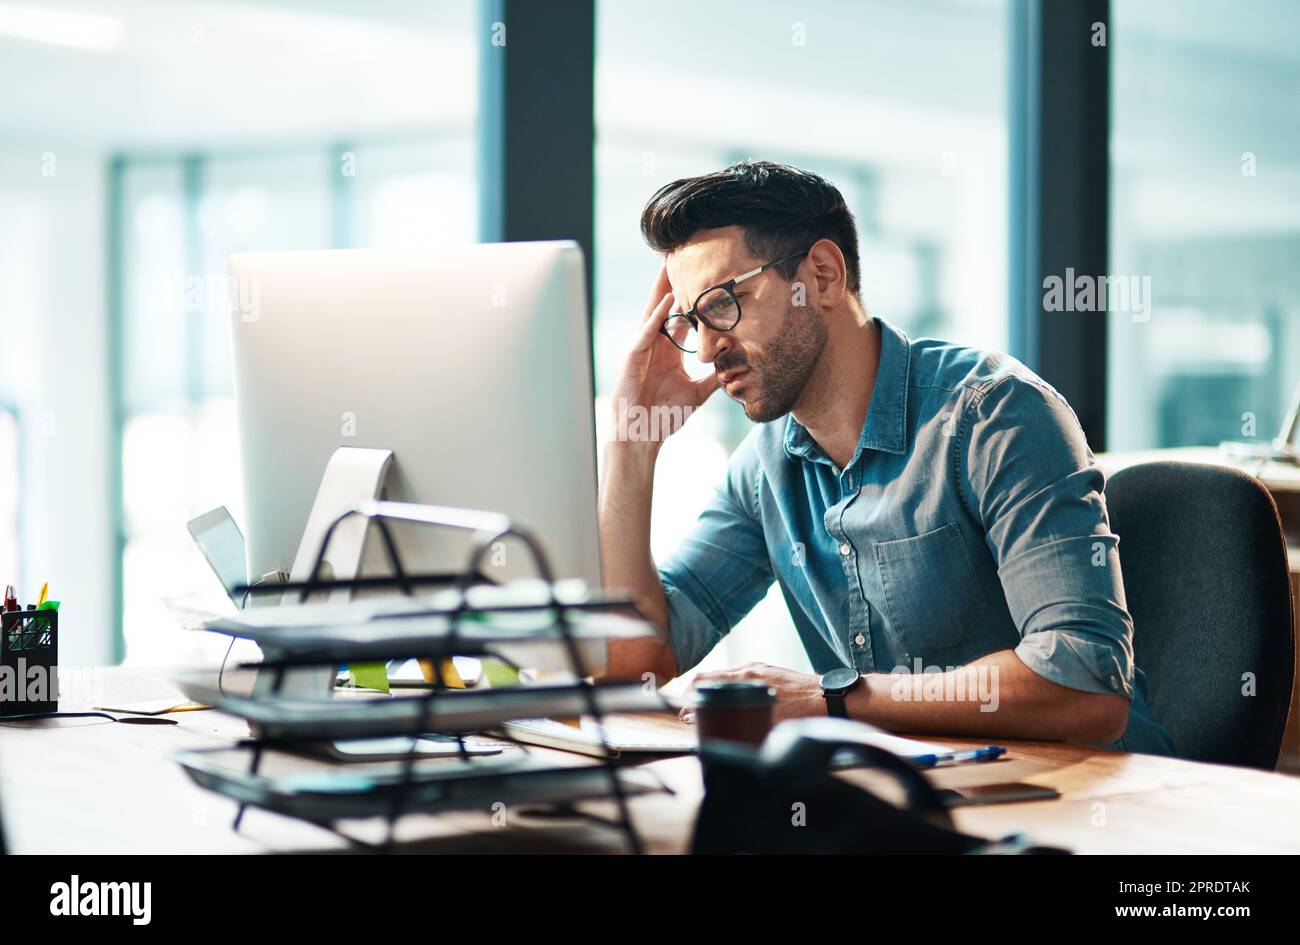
(952, 757)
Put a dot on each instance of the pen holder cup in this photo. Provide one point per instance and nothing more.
(29, 661)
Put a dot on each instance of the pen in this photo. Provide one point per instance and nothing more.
(45, 592)
(952, 757)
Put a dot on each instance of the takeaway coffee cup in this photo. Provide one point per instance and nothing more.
(733, 711)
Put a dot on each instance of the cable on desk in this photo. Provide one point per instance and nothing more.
(57, 715)
(129, 720)
(221, 673)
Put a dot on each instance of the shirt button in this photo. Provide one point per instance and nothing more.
(845, 548)
(860, 639)
(1114, 682)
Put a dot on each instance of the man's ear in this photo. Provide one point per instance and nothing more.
(829, 273)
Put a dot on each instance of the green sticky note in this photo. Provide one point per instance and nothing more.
(49, 605)
(370, 675)
(498, 674)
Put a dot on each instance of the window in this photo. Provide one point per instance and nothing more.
(182, 218)
(902, 106)
(179, 445)
(370, 144)
(1205, 208)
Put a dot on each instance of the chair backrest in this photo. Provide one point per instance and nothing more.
(1207, 583)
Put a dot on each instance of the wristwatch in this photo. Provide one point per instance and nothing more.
(835, 686)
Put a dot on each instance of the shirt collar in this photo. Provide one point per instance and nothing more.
(886, 425)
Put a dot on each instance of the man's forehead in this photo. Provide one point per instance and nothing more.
(711, 257)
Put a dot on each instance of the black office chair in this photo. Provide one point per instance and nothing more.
(1205, 574)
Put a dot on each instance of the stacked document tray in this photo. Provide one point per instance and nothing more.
(559, 627)
(431, 787)
(454, 711)
(517, 623)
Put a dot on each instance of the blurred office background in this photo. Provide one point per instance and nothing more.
(144, 141)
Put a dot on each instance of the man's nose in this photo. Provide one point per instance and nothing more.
(712, 343)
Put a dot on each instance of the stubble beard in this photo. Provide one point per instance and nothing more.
(777, 379)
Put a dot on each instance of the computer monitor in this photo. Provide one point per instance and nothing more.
(473, 365)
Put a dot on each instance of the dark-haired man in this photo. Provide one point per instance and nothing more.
(930, 512)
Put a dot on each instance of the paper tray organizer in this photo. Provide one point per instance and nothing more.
(456, 622)
(430, 787)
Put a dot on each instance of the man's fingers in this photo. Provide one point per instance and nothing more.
(650, 327)
(658, 288)
(719, 675)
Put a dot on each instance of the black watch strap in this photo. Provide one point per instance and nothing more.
(835, 706)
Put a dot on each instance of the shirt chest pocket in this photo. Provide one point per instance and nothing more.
(933, 594)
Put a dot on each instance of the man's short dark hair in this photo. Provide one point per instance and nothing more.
(781, 209)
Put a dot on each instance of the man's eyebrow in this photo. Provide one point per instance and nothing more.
(721, 278)
(718, 278)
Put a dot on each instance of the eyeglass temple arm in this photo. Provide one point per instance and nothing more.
(767, 266)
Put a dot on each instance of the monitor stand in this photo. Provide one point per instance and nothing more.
(352, 476)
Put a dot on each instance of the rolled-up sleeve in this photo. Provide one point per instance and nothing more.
(721, 570)
(1032, 481)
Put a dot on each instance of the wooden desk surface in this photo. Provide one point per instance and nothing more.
(89, 785)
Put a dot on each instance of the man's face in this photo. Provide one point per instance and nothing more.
(766, 360)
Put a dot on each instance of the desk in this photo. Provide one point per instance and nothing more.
(89, 785)
(1282, 480)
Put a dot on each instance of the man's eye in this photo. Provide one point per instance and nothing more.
(717, 305)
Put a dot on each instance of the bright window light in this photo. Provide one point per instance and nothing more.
(61, 27)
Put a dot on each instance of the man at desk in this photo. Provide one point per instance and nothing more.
(930, 512)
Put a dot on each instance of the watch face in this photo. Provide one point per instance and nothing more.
(838, 680)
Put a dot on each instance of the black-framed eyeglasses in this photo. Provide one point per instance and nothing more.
(717, 307)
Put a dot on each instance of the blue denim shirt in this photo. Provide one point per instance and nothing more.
(969, 520)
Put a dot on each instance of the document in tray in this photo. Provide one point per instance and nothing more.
(618, 734)
(374, 715)
(417, 617)
(516, 594)
(376, 629)
(303, 788)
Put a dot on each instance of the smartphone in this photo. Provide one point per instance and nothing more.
(1005, 792)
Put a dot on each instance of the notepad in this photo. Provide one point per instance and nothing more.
(154, 707)
(904, 747)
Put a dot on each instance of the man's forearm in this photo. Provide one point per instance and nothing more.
(626, 495)
(996, 695)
